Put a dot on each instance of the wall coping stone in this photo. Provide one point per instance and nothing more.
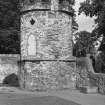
(10, 56)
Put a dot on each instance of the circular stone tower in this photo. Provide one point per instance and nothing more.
(46, 45)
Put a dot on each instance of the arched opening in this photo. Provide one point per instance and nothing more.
(11, 80)
(32, 45)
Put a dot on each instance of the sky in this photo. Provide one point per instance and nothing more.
(85, 23)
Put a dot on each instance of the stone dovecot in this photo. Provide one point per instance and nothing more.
(46, 45)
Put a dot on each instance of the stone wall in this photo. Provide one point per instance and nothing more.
(84, 68)
(50, 35)
(46, 47)
(82, 72)
(8, 65)
(45, 75)
(87, 77)
(98, 79)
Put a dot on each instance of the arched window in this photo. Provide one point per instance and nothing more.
(31, 45)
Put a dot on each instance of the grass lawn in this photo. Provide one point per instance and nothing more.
(33, 100)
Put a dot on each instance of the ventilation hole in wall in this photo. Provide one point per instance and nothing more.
(32, 21)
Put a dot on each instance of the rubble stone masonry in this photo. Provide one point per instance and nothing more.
(46, 49)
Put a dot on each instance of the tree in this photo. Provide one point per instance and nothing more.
(9, 41)
(96, 8)
(9, 26)
(83, 45)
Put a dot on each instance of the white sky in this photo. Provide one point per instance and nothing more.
(85, 23)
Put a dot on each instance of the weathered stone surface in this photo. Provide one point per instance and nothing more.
(37, 5)
(86, 77)
(46, 45)
(48, 75)
(89, 90)
(82, 72)
(98, 80)
(52, 34)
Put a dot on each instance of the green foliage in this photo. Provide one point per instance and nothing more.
(84, 43)
(9, 14)
(100, 63)
(95, 8)
(9, 41)
(9, 26)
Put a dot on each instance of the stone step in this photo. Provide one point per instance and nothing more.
(89, 90)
